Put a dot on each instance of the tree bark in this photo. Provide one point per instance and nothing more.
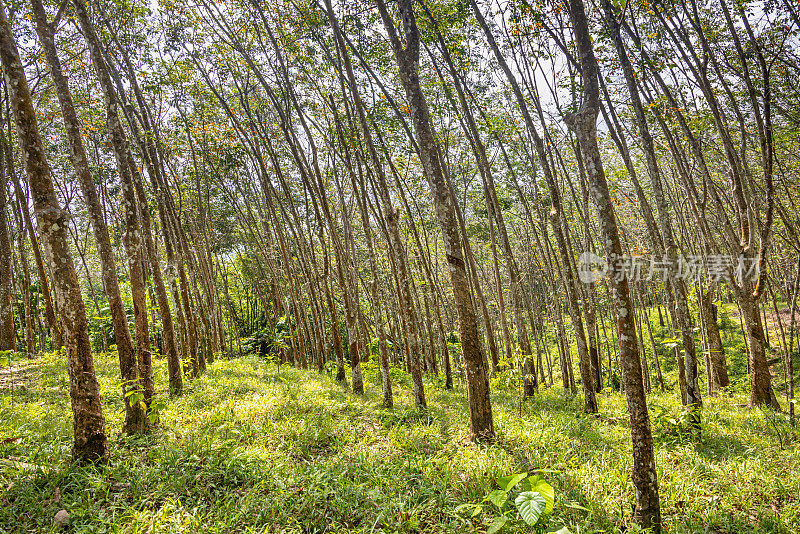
(134, 415)
(677, 285)
(90, 442)
(556, 219)
(7, 328)
(481, 420)
(132, 235)
(30, 338)
(584, 124)
(718, 375)
(49, 308)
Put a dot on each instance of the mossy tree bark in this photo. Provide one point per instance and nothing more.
(475, 364)
(89, 427)
(584, 124)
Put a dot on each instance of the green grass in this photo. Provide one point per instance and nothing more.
(250, 448)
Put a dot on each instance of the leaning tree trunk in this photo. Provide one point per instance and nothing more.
(718, 375)
(761, 392)
(30, 338)
(481, 420)
(89, 426)
(44, 284)
(392, 216)
(584, 124)
(151, 158)
(556, 220)
(7, 329)
(683, 319)
(134, 415)
(132, 235)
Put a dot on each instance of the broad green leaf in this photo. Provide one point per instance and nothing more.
(531, 505)
(510, 481)
(540, 485)
(498, 498)
(497, 525)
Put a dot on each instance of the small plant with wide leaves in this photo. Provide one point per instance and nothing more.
(134, 393)
(533, 498)
(6, 357)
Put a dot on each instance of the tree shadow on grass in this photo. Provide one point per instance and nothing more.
(721, 447)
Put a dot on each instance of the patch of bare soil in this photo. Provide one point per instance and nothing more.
(772, 322)
(15, 376)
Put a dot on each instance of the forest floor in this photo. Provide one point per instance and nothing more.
(254, 448)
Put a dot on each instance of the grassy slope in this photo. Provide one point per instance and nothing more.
(251, 449)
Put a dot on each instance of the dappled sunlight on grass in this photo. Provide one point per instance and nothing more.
(254, 448)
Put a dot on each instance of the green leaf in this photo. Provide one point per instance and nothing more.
(134, 397)
(576, 506)
(506, 483)
(466, 506)
(498, 498)
(478, 509)
(531, 505)
(497, 525)
(562, 530)
(540, 485)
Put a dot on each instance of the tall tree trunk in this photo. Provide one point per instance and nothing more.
(44, 284)
(392, 216)
(336, 337)
(30, 338)
(556, 220)
(716, 352)
(134, 415)
(7, 329)
(761, 392)
(151, 159)
(584, 124)
(132, 235)
(677, 285)
(481, 420)
(90, 442)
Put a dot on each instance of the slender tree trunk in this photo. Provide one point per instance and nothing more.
(132, 235)
(335, 333)
(150, 259)
(481, 420)
(584, 124)
(30, 338)
(556, 219)
(151, 158)
(392, 216)
(716, 352)
(7, 328)
(761, 392)
(44, 284)
(90, 442)
(678, 286)
(134, 415)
